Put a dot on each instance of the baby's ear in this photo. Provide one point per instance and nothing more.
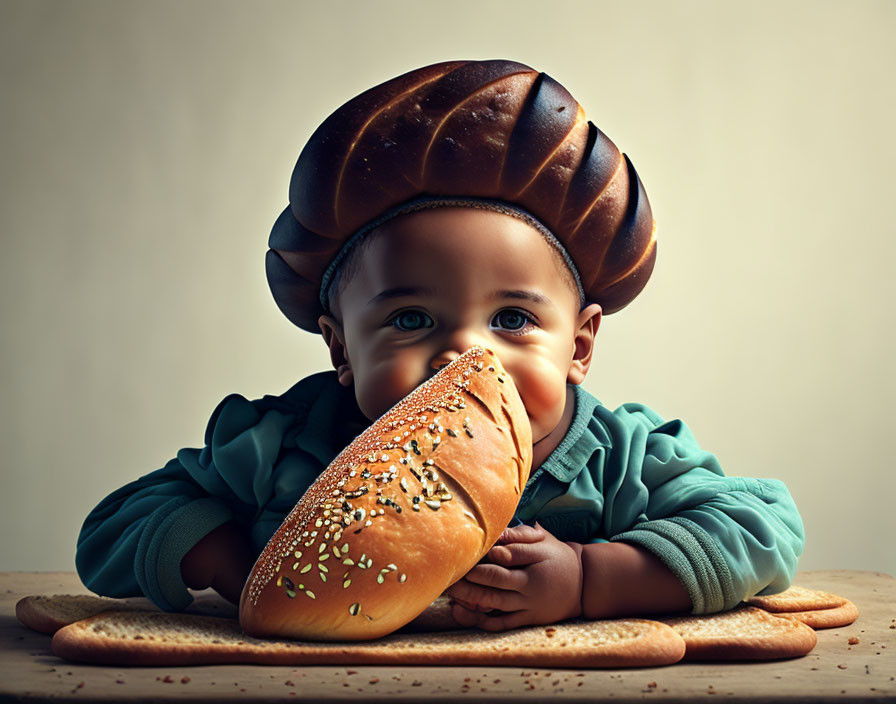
(587, 324)
(334, 338)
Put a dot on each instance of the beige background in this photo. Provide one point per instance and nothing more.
(147, 148)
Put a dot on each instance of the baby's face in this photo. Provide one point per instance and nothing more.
(433, 283)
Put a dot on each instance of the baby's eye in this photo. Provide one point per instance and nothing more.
(410, 320)
(512, 319)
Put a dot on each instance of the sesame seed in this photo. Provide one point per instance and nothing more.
(346, 584)
(305, 568)
(354, 609)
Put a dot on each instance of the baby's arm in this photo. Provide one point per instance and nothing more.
(531, 577)
(191, 523)
(222, 560)
(683, 536)
(621, 579)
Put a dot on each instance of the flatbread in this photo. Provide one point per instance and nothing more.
(796, 599)
(48, 613)
(153, 639)
(842, 615)
(744, 633)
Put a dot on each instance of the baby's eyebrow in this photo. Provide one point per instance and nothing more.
(400, 292)
(522, 295)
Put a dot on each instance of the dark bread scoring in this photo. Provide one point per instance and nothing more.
(480, 129)
(401, 514)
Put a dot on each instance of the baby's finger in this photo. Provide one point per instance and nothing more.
(464, 616)
(497, 577)
(516, 554)
(485, 598)
(521, 534)
(504, 621)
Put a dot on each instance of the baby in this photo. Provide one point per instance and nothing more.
(623, 514)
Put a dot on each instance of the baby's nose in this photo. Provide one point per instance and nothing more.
(454, 342)
(443, 360)
(449, 354)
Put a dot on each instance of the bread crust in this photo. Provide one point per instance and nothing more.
(744, 633)
(834, 617)
(401, 514)
(796, 598)
(160, 639)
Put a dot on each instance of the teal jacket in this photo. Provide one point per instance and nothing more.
(623, 475)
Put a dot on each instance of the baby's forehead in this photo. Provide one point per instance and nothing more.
(464, 254)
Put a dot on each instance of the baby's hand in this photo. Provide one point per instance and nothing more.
(529, 577)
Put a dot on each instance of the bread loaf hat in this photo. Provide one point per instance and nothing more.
(494, 134)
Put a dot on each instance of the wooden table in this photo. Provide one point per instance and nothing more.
(835, 670)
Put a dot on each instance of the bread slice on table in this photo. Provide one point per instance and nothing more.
(153, 639)
(48, 613)
(836, 617)
(744, 633)
(796, 598)
(814, 608)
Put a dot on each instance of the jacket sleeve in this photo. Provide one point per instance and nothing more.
(132, 543)
(725, 538)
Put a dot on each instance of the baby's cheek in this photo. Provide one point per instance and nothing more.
(382, 387)
(543, 390)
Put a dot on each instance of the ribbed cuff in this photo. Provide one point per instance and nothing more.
(172, 530)
(692, 556)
